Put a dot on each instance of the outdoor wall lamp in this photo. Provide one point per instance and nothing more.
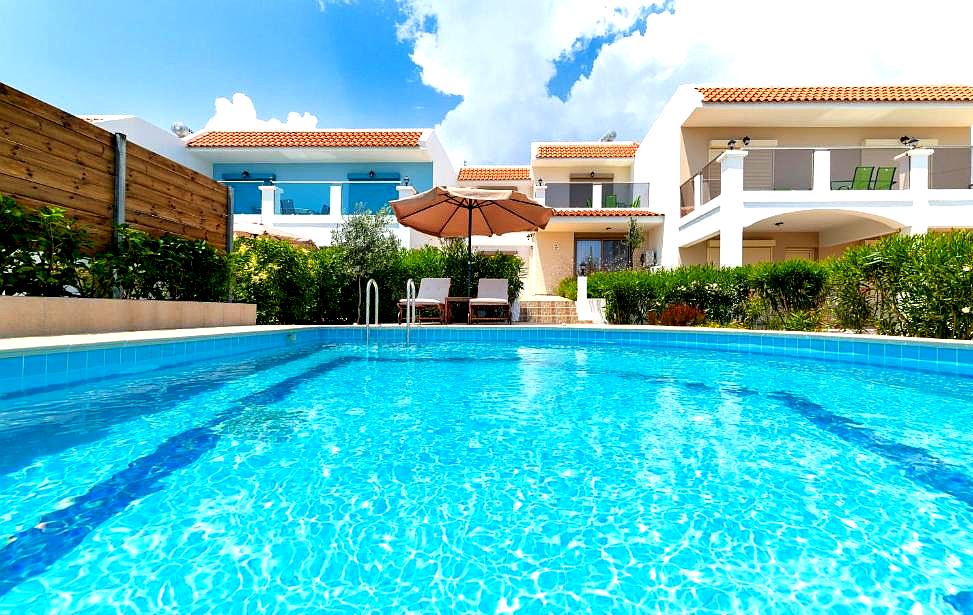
(746, 141)
(731, 144)
(405, 180)
(592, 175)
(245, 175)
(371, 174)
(540, 181)
(910, 142)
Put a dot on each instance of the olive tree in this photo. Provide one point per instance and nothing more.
(367, 245)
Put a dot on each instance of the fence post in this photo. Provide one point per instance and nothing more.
(229, 235)
(229, 219)
(121, 172)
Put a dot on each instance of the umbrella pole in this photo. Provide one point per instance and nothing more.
(469, 253)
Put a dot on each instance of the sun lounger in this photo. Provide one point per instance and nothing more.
(431, 299)
(492, 295)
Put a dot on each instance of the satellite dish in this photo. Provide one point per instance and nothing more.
(608, 136)
(181, 130)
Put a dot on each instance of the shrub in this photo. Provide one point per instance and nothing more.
(42, 252)
(678, 315)
(167, 268)
(789, 286)
(568, 288)
(916, 286)
(849, 300)
(368, 245)
(279, 277)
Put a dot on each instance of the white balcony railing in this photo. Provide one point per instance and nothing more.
(833, 169)
(596, 195)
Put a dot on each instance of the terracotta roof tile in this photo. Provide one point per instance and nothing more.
(584, 212)
(310, 138)
(848, 94)
(494, 174)
(588, 150)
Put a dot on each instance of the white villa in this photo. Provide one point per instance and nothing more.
(725, 175)
(755, 174)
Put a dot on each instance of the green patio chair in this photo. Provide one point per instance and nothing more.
(884, 178)
(862, 180)
(611, 201)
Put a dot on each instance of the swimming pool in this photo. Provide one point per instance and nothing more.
(494, 476)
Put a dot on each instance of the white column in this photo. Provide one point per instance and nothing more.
(919, 187)
(540, 194)
(581, 304)
(697, 191)
(596, 196)
(268, 203)
(405, 191)
(334, 201)
(731, 207)
(822, 170)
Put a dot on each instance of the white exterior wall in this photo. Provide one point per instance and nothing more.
(657, 161)
(156, 139)
(443, 171)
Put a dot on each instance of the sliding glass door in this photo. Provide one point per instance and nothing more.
(599, 255)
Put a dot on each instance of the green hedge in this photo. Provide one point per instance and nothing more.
(914, 286)
(292, 284)
(47, 253)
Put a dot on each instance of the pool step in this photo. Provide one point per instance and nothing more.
(549, 312)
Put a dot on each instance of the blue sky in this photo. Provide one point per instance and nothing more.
(169, 60)
(491, 76)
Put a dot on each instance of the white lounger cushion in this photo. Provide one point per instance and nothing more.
(432, 291)
(491, 291)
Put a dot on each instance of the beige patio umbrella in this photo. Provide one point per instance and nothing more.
(464, 212)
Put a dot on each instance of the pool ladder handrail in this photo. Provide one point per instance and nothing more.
(410, 308)
(368, 296)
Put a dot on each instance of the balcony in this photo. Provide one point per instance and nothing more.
(831, 169)
(598, 195)
(311, 200)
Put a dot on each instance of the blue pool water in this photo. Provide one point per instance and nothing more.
(529, 478)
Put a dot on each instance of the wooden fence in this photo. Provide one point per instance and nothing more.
(49, 157)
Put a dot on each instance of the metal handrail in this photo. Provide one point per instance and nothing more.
(410, 307)
(368, 296)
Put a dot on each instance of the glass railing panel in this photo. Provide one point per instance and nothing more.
(950, 168)
(869, 169)
(687, 196)
(625, 195)
(710, 181)
(246, 196)
(322, 198)
(566, 195)
(367, 196)
(307, 198)
(778, 169)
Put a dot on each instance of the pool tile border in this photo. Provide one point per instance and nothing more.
(28, 364)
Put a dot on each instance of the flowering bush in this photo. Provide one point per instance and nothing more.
(916, 286)
(678, 315)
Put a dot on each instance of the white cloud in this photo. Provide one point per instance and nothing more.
(240, 114)
(501, 66)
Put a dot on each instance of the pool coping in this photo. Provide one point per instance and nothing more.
(40, 344)
(49, 363)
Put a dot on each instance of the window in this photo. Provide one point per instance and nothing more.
(370, 192)
(599, 255)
